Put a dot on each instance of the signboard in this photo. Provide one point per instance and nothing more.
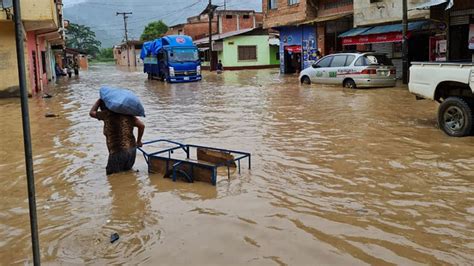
(375, 38)
(471, 37)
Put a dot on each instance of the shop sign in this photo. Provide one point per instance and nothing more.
(376, 38)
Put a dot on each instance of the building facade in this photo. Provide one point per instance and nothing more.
(247, 49)
(223, 21)
(128, 53)
(43, 25)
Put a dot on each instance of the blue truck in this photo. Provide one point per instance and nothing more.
(172, 58)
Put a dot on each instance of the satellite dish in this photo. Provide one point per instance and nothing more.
(6, 3)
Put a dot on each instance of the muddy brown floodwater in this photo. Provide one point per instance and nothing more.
(339, 177)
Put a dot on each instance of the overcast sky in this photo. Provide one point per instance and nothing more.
(238, 4)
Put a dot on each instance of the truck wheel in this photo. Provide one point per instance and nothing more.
(455, 117)
(349, 83)
(305, 80)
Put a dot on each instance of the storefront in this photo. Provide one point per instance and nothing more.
(297, 48)
(388, 39)
(461, 35)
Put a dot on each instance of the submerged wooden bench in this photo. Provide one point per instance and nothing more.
(204, 168)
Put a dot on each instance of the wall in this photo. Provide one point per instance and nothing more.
(39, 10)
(9, 67)
(274, 55)
(199, 30)
(327, 7)
(304, 36)
(366, 13)
(285, 14)
(229, 55)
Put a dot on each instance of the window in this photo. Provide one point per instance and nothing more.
(325, 62)
(43, 61)
(248, 52)
(362, 61)
(338, 61)
(272, 4)
(246, 16)
(376, 1)
(349, 60)
(228, 16)
(293, 2)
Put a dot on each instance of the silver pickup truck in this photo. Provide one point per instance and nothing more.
(452, 85)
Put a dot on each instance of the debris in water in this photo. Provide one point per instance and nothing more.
(50, 115)
(114, 237)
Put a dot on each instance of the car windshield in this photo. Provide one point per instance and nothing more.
(183, 55)
(378, 59)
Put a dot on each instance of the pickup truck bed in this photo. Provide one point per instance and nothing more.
(450, 84)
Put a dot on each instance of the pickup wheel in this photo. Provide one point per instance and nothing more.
(455, 117)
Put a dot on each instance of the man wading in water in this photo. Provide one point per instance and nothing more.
(118, 130)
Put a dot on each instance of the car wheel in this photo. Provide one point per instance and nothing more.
(349, 83)
(455, 117)
(305, 80)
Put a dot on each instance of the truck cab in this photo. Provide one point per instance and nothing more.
(173, 59)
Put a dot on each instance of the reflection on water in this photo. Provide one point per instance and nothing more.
(339, 177)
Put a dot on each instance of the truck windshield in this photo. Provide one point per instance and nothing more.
(183, 55)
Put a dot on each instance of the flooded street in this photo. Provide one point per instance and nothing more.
(339, 177)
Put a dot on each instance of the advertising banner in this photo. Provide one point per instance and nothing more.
(471, 37)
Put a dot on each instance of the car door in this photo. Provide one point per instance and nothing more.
(322, 69)
(336, 70)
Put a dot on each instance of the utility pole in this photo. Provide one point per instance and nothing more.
(124, 14)
(225, 4)
(210, 15)
(25, 117)
(405, 42)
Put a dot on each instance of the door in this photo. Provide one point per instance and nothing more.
(322, 70)
(214, 60)
(337, 69)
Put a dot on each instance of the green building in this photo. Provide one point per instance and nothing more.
(243, 49)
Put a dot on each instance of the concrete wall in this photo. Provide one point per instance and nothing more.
(229, 55)
(366, 13)
(122, 58)
(274, 55)
(34, 10)
(8, 67)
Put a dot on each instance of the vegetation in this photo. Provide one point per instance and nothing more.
(83, 38)
(154, 30)
(105, 55)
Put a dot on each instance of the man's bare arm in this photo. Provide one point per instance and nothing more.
(141, 129)
(95, 107)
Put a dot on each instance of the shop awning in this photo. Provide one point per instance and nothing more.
(431, 3)
(328, 18)
(380, 34)
(293, 48)
(353, 32)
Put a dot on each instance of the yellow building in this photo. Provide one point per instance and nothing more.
(42, 24)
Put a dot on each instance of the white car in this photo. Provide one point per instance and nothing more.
(352, 70)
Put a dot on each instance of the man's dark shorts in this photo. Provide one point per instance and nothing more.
(121, 161)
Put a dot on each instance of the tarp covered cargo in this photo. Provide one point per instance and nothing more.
(121, 101)
(145, 50)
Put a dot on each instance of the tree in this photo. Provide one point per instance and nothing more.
(154, 30)
(83, 38)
